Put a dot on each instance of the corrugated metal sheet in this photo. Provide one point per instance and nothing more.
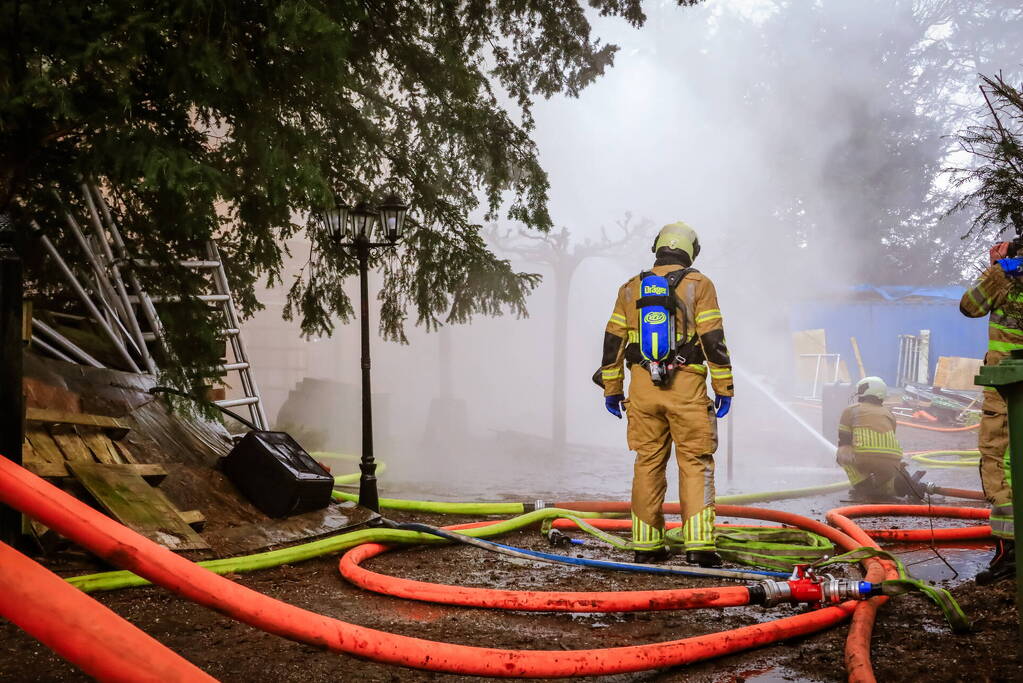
(878, 324)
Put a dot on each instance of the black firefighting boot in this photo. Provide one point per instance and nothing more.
(652, 556)
(1003, 565)
(704, 558)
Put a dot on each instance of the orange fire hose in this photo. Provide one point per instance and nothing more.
(124, 548)
(537, 601)
(959, 493)
(127, 549)
(81, 630)
(857, 643)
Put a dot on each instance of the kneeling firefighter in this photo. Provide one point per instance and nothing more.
(667, 330)
(868, 449)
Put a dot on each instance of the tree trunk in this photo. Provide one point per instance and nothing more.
(559, 402)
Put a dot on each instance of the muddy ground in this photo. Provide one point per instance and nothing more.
(911, 641)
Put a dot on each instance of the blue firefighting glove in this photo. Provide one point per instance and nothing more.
(723, 404)
(1012, 266)
(614, 404)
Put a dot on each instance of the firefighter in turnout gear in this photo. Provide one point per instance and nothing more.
(666, 330)
(998, 293)
(868, 449)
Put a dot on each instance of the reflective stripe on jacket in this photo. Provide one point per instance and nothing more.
(699, 315)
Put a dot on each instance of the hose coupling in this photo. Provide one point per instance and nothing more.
(772, 593)
(806, 586)
(556, 538)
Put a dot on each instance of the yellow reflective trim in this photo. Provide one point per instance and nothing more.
(712, 314)
(721, 373)
(612, 374)
(633, 336)
(700, 368)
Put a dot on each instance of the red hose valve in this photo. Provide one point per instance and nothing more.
(806, 586)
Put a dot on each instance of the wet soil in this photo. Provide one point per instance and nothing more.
(911, 641)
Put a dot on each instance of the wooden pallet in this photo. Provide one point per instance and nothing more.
(60, 444)
(130, 499)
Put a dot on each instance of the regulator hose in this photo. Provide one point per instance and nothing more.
(929, 428)
(346, 479)
(445, 508)
(765, 547)
(523, 553)
(274, 558)
(931, 458)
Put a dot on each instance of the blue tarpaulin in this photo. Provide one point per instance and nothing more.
(876, 316)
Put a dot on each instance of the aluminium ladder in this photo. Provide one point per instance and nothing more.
(119, 317)
(221, 296)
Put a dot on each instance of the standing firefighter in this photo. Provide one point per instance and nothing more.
(667, 329)
(868, 449)
(998, 292)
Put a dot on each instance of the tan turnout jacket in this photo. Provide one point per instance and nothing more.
(702, 321)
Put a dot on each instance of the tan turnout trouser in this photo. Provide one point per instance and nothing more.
(993, 442)
(683, 414)
(884, 469)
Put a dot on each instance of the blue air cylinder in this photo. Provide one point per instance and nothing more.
(656, 322)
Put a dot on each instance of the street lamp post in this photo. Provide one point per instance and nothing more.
(352, 230)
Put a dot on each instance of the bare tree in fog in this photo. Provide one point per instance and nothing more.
(995, 181)
(234, 119)
(558, 251)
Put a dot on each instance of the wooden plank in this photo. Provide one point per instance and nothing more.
(114, 427)
(153, 474)
(71, 445)
(47, 470)
(957, 373)
(859, 358)
(100, 444)
(43, 445)
(40, 466)
(193, 518)
(136, 504)
(126, 455)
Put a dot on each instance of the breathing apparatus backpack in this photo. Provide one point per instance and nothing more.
(659, 341)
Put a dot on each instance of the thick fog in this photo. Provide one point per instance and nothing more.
(803, 141)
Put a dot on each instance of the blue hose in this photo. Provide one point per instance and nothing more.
(703, 572)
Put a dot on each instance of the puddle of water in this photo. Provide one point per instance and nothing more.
(768, 674)
(967, 559)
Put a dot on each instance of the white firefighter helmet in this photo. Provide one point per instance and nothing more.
(678, 236)
(872, 386)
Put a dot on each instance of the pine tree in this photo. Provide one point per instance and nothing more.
(203, 118)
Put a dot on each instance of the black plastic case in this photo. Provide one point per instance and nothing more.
(277, 475)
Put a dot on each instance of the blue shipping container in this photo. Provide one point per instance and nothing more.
(878, 315)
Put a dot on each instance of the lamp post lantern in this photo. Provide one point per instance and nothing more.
(352, 231)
